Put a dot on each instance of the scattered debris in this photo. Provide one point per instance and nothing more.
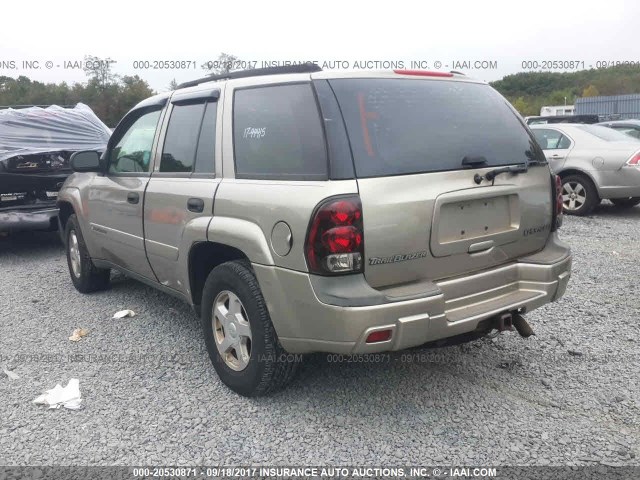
(77, 334)
(574, 353)
(124, 313)
(546, 383)
(10, 374)
(67, 397)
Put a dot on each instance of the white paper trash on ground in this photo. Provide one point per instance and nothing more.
(124, 313)
(78, 333)
(67, 397)
(10, 374)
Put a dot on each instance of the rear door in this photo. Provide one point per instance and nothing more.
(183, 183)
(555, 144)
(417, 144)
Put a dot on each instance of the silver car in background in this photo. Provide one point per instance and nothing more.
(628, 127)
(594, 162)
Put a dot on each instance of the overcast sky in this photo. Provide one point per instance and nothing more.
(507, 32)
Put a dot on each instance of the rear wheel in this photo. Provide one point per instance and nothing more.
(86, 277)
(625, 202)
(579, 195)
(240, 338)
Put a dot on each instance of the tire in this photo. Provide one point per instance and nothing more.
(256, 364)
(579, 195)
(86, 277)
(625, 202)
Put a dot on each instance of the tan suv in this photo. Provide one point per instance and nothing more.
(301, 210)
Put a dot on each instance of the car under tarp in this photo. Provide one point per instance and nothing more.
(36, 145)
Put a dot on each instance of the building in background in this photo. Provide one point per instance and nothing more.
(553, 110)
(613, 107)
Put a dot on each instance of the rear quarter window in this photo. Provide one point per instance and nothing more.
(278, 134)
(403, 126)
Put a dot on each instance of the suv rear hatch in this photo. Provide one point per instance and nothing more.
(425, 217)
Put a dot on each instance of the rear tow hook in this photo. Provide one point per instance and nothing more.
(505, 323)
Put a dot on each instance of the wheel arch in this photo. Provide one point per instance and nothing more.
(203, 258)
(575, 171)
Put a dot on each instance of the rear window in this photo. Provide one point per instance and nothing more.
(605, 133)
(402, 126)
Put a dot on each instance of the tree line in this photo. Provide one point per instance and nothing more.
(529, 91)
(110, 95)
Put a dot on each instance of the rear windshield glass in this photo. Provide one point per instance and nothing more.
(403, 126)
(606, 133)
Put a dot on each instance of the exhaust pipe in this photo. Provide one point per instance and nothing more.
(521, 325)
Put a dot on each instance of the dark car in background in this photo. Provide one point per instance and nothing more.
(630, 127)
(35, 147)
(562, 119)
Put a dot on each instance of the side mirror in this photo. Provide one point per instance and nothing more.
(86, 161)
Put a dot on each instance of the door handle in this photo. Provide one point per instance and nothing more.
(556, 156)
(195, 205)
(133, 197)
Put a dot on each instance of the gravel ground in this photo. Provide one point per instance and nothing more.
(568, 396)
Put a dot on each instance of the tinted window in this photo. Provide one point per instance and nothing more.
(277, 133)
(179, 151)
(635, 133)
(207, 141)
(132, 153)
(402, 126)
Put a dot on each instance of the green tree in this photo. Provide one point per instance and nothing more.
(590, 91)
(521, 105)
(99, 70)
(223, 64)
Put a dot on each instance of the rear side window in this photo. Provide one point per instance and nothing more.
(207, 141)
(405, 126)
(551, 139)
(180, 144)
(277, 133)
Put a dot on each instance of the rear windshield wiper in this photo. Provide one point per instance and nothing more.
(491, 174)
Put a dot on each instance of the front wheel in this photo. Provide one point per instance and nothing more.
(240, 338)
(625, 202)
(579, 195)
(86, 277)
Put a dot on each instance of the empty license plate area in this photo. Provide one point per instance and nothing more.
(460, 223)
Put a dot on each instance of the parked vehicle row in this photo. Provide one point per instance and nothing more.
(595, 162)
(300, 210)
(35, 147)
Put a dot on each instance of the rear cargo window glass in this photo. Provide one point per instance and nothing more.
(277, 133)
(180, 143)
(605, 133)
(404, 126)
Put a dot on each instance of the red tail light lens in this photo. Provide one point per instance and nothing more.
(635, 160)
(379, 336)
(335, 240)
(558, 204)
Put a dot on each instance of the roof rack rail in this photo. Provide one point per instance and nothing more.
(256, 72)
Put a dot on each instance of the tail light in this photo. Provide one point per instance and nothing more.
(635, 160)
(558, 204)
(335, 239)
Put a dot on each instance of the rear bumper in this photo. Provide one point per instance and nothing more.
(35, 218)
(621, 183)
(305, 323)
